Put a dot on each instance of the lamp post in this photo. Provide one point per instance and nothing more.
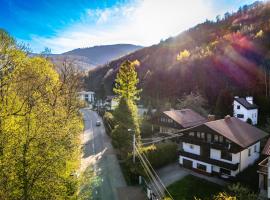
(134, 143)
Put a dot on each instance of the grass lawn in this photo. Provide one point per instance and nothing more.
(191, 186)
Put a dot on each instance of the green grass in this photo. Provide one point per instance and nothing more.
(190, 187)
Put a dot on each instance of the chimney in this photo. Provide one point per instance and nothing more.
(250, 99)
(227, 117)
(211, 118)
(236, 97)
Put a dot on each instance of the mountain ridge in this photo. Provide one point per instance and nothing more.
(90, 57)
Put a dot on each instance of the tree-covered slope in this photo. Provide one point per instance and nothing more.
(230, 54)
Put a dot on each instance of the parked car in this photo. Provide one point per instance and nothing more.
(98, 123)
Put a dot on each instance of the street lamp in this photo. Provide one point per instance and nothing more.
(134, 143)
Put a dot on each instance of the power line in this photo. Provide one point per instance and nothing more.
(155, 184)
(157, 175)
(169, 137)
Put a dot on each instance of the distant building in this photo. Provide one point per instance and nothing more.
(174, 120)
(264, 172)
(245, 109)
(87, 96)
(111, 102)
(223, 147)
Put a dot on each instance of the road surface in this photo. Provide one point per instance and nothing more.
(98, 151)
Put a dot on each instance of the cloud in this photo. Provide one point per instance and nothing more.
(143, 22)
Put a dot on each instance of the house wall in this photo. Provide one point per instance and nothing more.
(216, 154)
(191, 148)
(114, 104)
(252, 114)
(163, 129)
(246, 160)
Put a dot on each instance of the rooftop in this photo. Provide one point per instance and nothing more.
(237, 131)
(186, 117)
(245, 103)
(266, 149)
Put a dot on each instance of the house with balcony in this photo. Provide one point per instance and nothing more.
(245, 109)
(223, 147)
(172, 121)
(264, 171)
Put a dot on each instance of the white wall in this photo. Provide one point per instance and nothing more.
(249, 160)
(216, 155)
(191, 148)
(252, 114)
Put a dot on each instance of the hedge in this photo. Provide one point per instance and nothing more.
(161, 154)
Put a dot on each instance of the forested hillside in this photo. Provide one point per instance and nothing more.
(99, 55)
(219, 59)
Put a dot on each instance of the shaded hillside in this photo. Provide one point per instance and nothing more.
(227, 57)
(100, 55)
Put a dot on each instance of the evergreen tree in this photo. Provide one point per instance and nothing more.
(126, 81)
(126, 114)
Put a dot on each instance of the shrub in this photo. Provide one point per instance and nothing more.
(146, 129)
(108, 122)
(161, 154)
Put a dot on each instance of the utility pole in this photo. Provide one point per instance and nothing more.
(134, 139)
(134, 143)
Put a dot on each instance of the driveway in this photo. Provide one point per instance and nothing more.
(174, 172)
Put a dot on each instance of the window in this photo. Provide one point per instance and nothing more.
(238, 107)
(202, 135)
(198, 135)
(216, 138)
(228, 141)
(191, 146)
(201, 167)
(225, 171)
(226, 155)
(191, 134)
(209, 137)
(255, 148)
(249, 152)
(220, 139)
(240, 116)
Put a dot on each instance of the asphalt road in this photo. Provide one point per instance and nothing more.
(98, 152)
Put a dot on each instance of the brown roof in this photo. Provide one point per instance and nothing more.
(186, 117)
(237, 131)
(266, 149)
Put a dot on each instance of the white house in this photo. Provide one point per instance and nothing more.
(223, 147)
(244, 109)
(111, 102)
(87, 96)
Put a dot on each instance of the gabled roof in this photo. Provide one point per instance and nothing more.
(237, 131)
(246, 104)
(186, 117)
(266, 149)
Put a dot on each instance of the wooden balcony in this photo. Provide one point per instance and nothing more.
(263, 166)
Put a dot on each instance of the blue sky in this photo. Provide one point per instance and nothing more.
(63, 25)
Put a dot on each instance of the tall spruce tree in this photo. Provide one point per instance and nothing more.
(126, 114)
(126, 81)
